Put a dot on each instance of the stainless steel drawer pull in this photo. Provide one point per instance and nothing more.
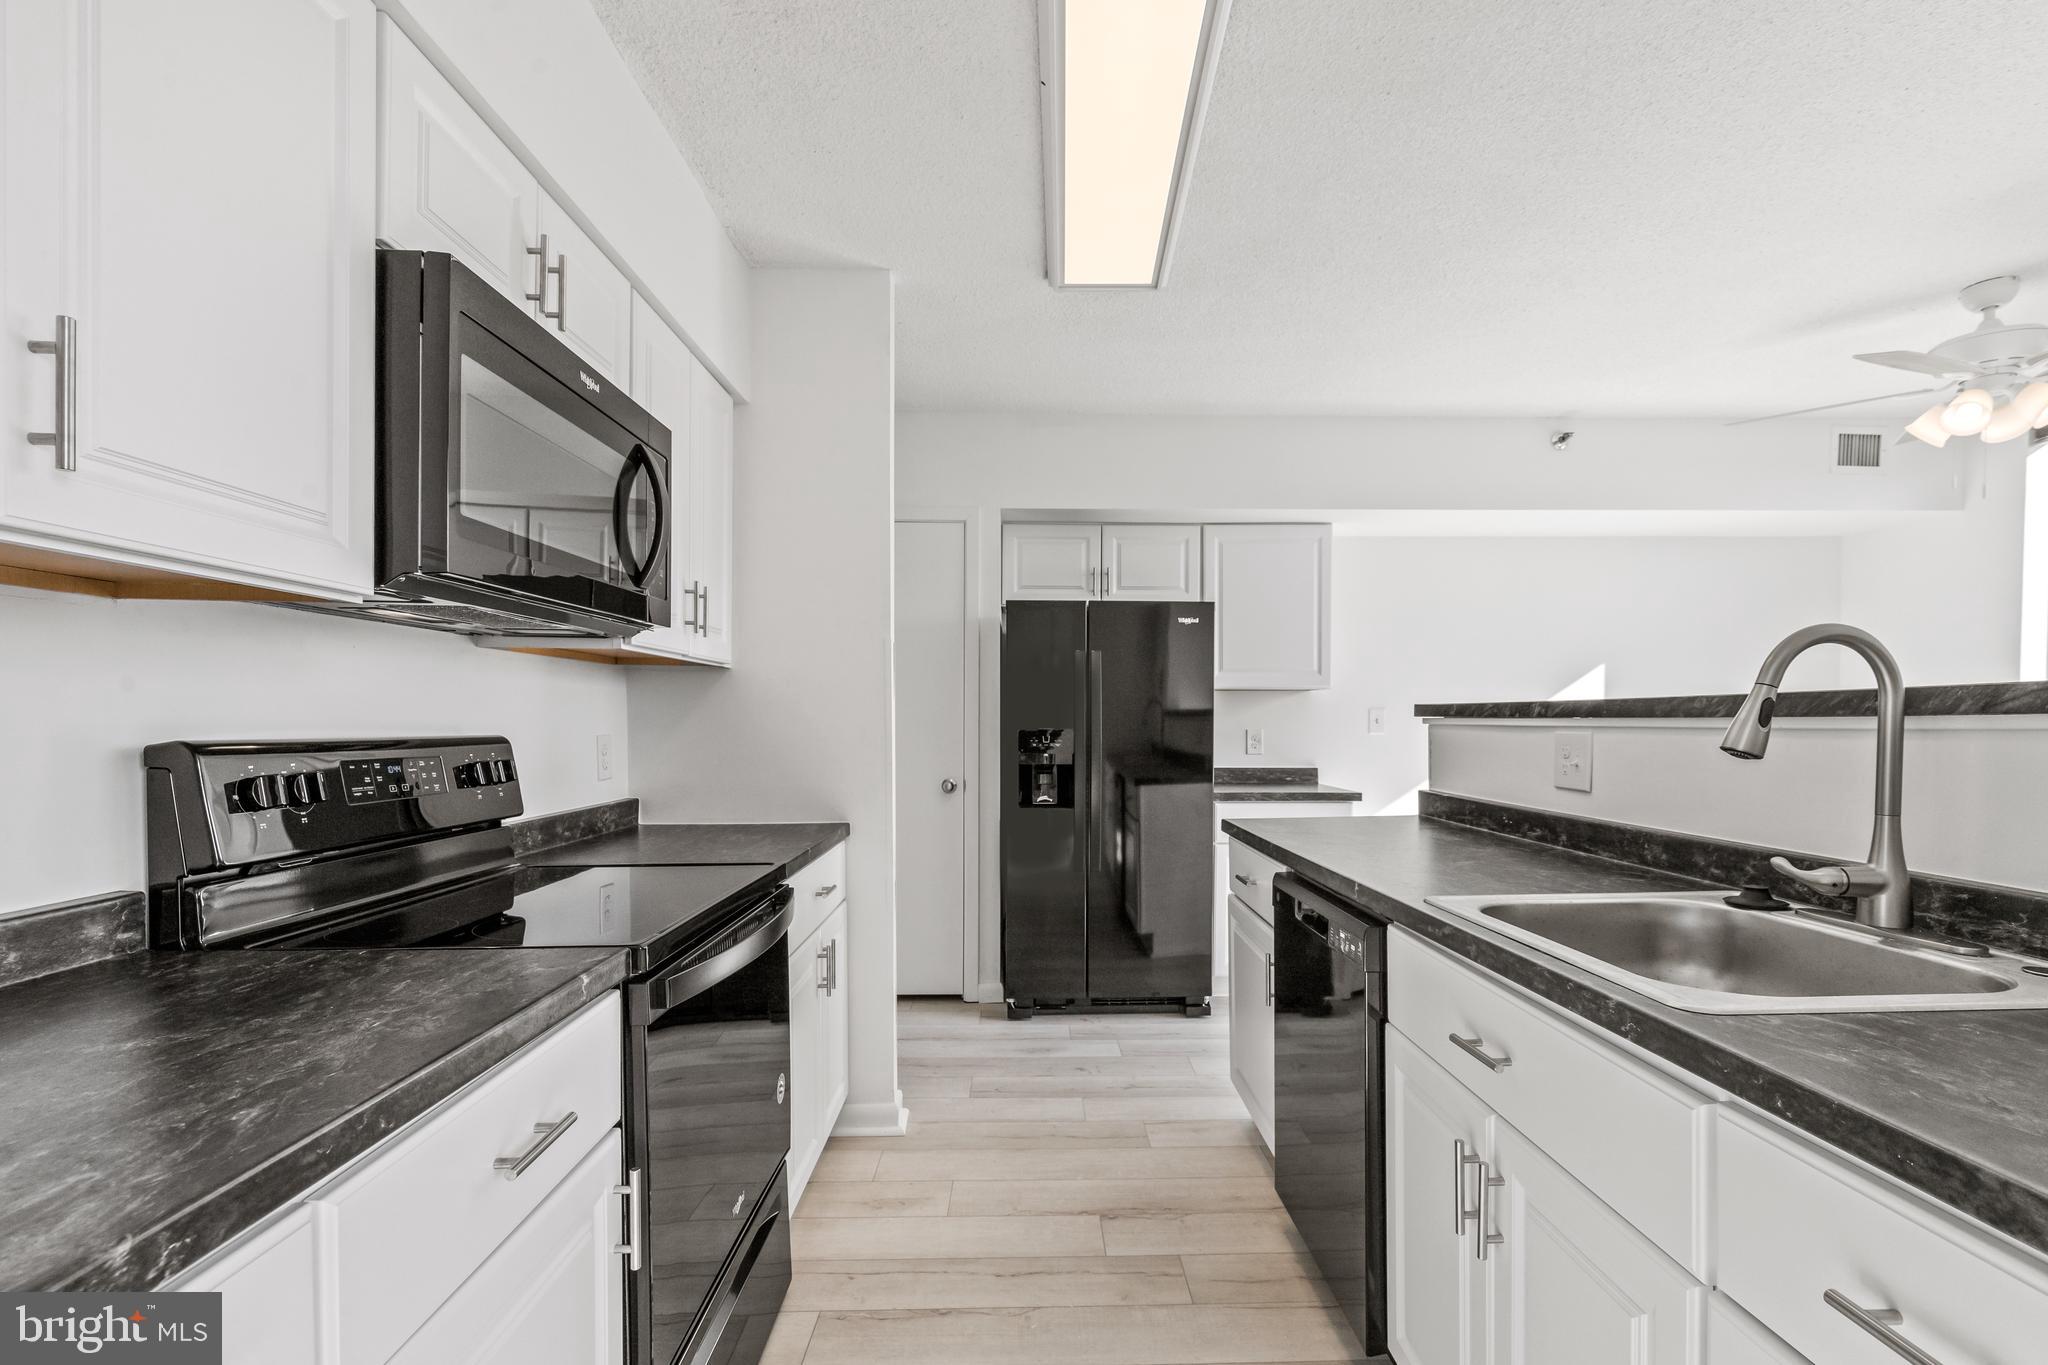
(545, 1135)
(1473, 1047)
(630, 1248)
(827, 889)
(64, 440)
(1240, 879)
(1485, 1241)
(1460, 1159)
(1879, 1322)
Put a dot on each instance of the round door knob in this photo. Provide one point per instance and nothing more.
(949, 786)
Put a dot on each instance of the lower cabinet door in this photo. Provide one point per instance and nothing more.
(1251, 1014)
(1570, 1280)
(1736, 1338)
(835, 1024)
(1436, 1135)
(806, 1015)
(268, 1294)
(552, 1294)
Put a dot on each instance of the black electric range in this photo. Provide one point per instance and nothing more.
(400, 844)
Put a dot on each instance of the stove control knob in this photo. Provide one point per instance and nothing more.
(501, 770)
(260, 793)
(474, 774)
(304, 789)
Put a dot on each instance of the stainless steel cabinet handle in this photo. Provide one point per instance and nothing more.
(65, 438)
(1269, 978)
(825, 969)
(545, 1135)
(1472, 1048)
(630, 1248)
(1460, 1159)
(690, 621)
(1240, 879)
(949, 786)
(561, 313)
(540, 273)
(703, 595)
(827, 889)
(1488, 1182)
(1879, 1322)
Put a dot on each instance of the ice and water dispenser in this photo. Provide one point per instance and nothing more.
(1045, 768)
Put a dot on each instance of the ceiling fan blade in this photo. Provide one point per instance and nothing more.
(1830, 407)
(1922, 364)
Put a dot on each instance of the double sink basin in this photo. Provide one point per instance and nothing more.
(1693, 951)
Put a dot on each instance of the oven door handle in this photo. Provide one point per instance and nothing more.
(697, 975)
(638, 570)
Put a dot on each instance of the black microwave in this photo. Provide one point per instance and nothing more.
(518, 492)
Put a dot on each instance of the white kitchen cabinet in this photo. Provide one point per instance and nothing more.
(818, 1061)
(1736, 1338)
(664, 376)
(445, 181)
(1251, 1014)
(709, 567)
(585, 299)
(195, 185)
(270, 1293)
(1047, 562)
(1152, 563)
(1259, 897)
(1571, 1280)
(553, 1293)
(1271, 589)
(1436, 1139)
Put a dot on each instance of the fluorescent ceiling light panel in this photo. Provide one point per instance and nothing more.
(1123, 104)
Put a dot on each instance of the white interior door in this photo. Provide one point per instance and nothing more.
(932, 804)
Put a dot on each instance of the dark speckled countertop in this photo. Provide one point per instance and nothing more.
(159, 1103)
(1278, 784)
(1954, 1104)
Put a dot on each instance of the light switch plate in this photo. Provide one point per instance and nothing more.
(1375, 720)
(1573, 769)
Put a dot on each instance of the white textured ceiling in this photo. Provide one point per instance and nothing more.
(1402, 206)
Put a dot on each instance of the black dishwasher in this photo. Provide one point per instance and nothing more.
(1329, 1013)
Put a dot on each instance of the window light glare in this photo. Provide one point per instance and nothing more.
(1126, 70)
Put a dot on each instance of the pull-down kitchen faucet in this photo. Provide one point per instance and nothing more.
(1882, 887)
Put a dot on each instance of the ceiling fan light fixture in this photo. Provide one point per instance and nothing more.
(1927, 427)
(1967, 413)
(2033, 401)
(2006, 423)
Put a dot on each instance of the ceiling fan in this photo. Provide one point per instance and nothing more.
(1995, 375)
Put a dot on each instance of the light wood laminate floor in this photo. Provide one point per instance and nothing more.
(1084, 1190)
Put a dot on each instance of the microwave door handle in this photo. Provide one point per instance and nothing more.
(658, 487)
(638, 570)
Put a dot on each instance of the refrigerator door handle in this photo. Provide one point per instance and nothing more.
(1098, 818)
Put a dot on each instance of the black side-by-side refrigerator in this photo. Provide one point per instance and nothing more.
(1109, 813)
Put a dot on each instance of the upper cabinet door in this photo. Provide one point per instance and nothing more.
(585, 298)
(195, 185)
(444, 180)
(663, 370)
(1051, 563)
(1271, 587)
(711, 494)
(1152, 563)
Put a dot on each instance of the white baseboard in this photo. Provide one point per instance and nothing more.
(990, 993)
(873, 1120)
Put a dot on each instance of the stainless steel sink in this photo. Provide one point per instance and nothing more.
(1691, 950)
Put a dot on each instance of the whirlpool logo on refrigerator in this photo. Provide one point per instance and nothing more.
(162, 1328)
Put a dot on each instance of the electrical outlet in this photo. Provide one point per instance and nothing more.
(604, 758)
(1254, 742)
(607, 908)
(1375, 720)
(1573, 770)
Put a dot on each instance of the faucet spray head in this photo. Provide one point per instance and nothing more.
(1749, 734)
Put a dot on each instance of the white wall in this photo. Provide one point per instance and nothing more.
(546, 75)
(1945, 597)
(800, 727)
(1438, 620)
(85, 683)
(1972, 785)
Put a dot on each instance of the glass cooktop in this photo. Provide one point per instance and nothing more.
(652, 911)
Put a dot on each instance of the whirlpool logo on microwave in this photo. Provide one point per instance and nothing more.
(1189, 620)
(163, 1328)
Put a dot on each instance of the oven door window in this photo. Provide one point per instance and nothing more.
(546, 493)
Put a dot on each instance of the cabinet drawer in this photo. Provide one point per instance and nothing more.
(1647, 1156)
(1251, 879)
(1796, 1221)
(820, 886)
(412, 1225)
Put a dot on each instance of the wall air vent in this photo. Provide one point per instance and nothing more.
(1858, 452)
